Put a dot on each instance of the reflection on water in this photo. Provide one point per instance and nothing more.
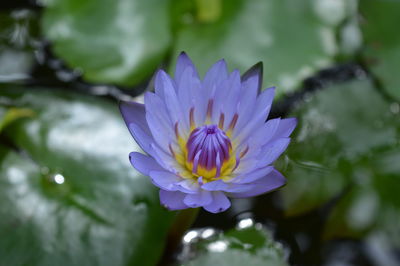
(59, 179)
(217, 246)
(245, 223)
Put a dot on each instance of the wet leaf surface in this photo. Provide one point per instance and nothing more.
(117, 42)
(382, 42)
(293, 39)
(70, 197)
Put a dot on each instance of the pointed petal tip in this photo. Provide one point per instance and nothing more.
(271, 90)
(183, 62)
(147, 97)
(161, 73)
(267, 95)
(123, 104)
(259, 65)
(132, 112)
(295, 121)
(222, 62)
(236, 72)
(183, 59)
(254, 71)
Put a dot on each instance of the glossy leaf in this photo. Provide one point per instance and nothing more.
(251, 246)
(382, 51)
(294, 39)
(118, 42)
(71, 196)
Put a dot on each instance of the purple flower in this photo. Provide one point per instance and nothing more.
(208, 140)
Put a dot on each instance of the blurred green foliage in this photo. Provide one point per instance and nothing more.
(346, 143)
(293, 39)
(68, 195)
(382, 42)
(248, 246)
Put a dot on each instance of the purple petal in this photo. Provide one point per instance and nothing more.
(264, 102)
(142, 137)
(172, 200)
(270, 182)
(182, 64)
(144, 164)
(219, 203)
(164, 180)
(134, 113)
(146, 142)
(286, 127)
(231, 97)
(219, 94)
(189, 94)
(263, 134)
(159, 122)
(251, 87)
(202, 198)
(159, 84)
(253, 176)
(156, 108)
(272, 151)
(217, 185)
(164, 159)
(220, 185)
(260, 114)
(199, 102)
(187, 186)
(253, 77)
(171, 101)
(217, 73)
(247, 100)
(247, 165)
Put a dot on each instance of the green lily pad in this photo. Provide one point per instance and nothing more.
(382, 42)
(294, 39)
(118, 42)
(71, 196)
(252, 246)
(347, 141)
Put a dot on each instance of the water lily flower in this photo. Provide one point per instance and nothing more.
(207, 139)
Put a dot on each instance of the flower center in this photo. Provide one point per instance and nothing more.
(208, 148)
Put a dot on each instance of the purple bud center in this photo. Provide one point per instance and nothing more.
(208, 147)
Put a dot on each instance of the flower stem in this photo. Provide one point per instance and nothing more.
(183, 220)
